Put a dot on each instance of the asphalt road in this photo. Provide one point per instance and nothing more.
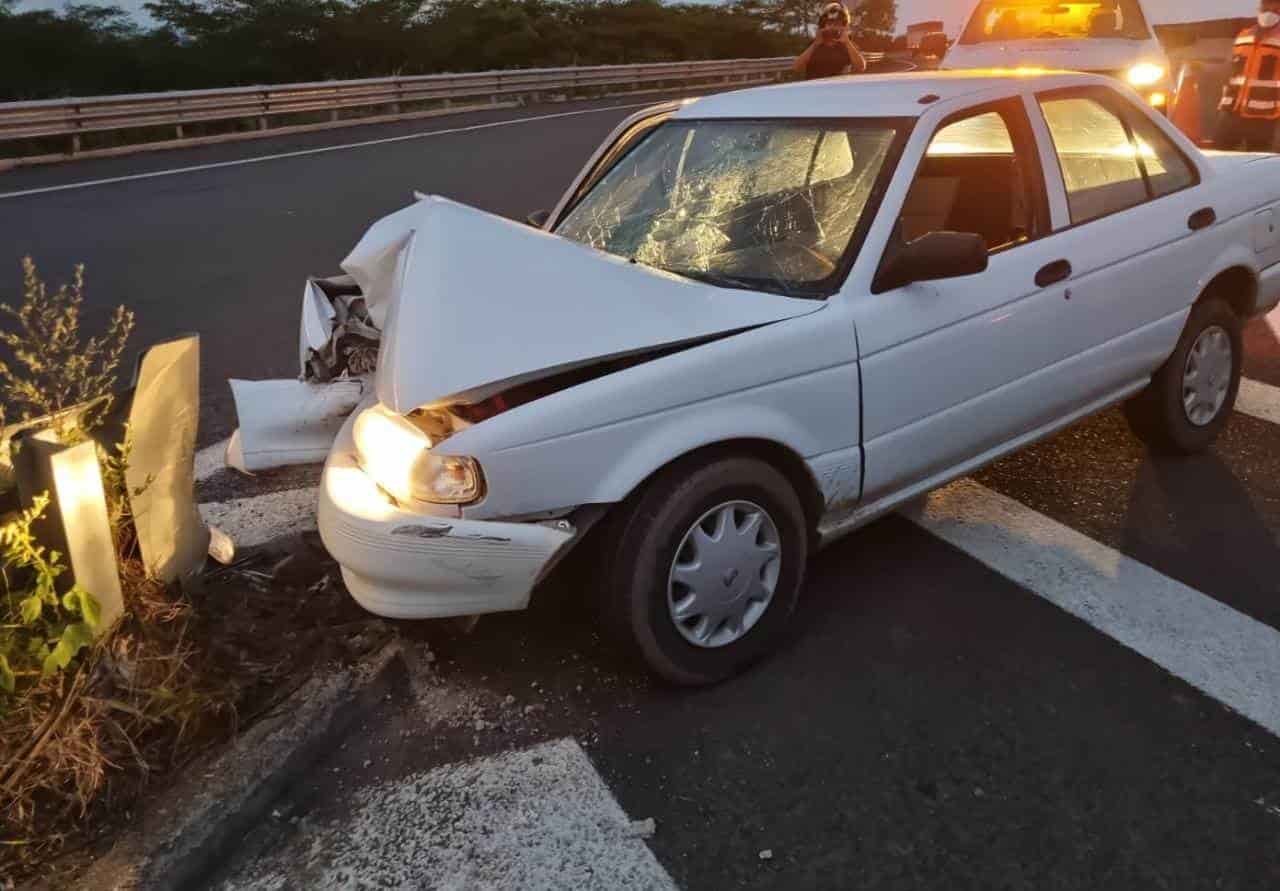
(934, 724)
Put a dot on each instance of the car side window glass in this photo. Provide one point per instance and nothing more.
(1098, 159)
(1168, 170)
(974, 180)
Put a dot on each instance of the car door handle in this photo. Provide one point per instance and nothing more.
(1058, 271)
(1202, 219)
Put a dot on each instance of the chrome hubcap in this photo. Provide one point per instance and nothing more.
(724, 574)
(1207, 376)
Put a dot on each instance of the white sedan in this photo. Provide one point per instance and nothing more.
(759, 320)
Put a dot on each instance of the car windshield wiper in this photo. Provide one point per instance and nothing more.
(721, 280)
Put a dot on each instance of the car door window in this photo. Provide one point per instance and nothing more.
(1167, 169)
(974, 178)
(1098, 159)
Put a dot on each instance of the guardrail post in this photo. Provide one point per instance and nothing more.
(75, 137)
(395, 104)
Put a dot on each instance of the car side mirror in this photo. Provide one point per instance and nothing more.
(538, 218)
(931, 257)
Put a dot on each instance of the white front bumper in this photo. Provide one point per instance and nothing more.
(406, 565)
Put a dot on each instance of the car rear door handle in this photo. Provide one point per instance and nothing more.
(1202, 219)
(1055, 272)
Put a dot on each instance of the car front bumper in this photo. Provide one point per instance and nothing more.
(406, 565)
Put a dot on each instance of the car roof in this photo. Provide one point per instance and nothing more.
(876, 95)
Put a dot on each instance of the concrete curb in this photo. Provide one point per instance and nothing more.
(189, 833)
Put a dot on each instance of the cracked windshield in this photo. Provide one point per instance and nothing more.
(767, 205)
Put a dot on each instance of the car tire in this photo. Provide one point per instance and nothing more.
(1190, 398)
(654, 544)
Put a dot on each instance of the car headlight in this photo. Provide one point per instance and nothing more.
(1145, 74)
(397, 455)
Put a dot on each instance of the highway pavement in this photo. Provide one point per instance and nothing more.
(1062, 673)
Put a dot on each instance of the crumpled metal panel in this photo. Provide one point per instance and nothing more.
(473, 303)
(285, 422)
(337, 336)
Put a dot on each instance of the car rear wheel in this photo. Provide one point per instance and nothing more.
(1191, 396)
(705, 568)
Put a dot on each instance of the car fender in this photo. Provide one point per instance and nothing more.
(1237, 253)
(793, 383)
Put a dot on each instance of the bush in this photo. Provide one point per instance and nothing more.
(80, 703)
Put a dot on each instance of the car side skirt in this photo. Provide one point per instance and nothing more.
(835, 526)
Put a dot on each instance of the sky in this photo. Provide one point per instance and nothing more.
(952, 12)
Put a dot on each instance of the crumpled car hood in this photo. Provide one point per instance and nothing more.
(470, 303)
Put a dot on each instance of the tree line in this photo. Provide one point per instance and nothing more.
(87, 49)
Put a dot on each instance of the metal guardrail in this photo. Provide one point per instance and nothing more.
(75, 118)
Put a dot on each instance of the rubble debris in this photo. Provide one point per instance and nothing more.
(221, 547)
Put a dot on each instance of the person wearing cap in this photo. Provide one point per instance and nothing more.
(1250, 110)
(832, 52)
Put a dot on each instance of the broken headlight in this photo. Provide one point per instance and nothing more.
(397, 454)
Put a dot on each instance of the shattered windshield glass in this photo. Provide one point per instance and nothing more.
(771, 205)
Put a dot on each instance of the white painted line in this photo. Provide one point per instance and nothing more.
(316, 151)
(541, 819)
(210, 459)
(1225, 654)
(257, 520)
(1259, 400)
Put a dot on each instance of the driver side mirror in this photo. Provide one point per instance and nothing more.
(538, 218)
(931, 257)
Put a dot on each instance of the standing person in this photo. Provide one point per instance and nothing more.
(1250, 108)
(832, 52)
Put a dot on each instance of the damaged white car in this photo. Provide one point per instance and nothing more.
(756, 322)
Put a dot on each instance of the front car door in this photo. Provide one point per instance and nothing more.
(955, 370)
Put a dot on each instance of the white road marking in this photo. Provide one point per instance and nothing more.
(1259, 400)
(258, 520)
(315, 151)
(537, 820)
(210, 459)
(1225, 654)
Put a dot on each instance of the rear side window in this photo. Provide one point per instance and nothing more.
(1112, 156)
(1168, 171)
(1098, 159)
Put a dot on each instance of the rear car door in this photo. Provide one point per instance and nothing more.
(1134, 238)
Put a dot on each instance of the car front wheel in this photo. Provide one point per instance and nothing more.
(706, 566)
(1192, 395)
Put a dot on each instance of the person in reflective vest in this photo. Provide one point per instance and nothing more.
(1251, 101)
